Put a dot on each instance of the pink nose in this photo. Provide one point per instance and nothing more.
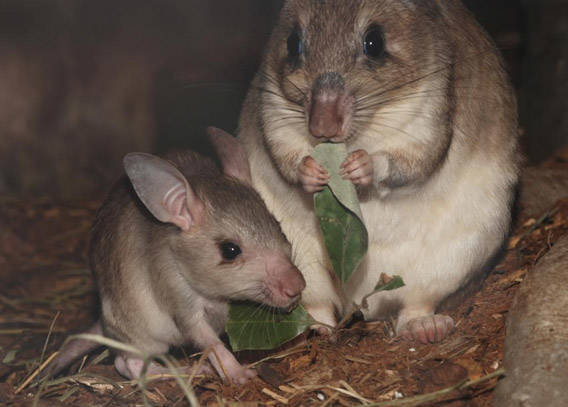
(325, 118)
(292, 284)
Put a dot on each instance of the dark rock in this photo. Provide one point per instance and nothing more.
(541, 188)
(536, 346)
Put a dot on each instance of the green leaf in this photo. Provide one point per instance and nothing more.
(394, 283)
(255, 327)
(386, 283)
(339, 214)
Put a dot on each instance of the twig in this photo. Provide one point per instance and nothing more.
(331, 399)
(275, 396)
(212, 349)
(105, 354)
(198, 365)
(51, 327)
(351, 393)
(352, 390)
(135, 351)
(425, 398)
(386, 286)
(19, 331)
(68, 393)
(189, 394)
(298, 348)
(34, 374)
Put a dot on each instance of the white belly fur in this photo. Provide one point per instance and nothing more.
(436, 236)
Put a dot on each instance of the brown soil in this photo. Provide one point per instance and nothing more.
(44, 281)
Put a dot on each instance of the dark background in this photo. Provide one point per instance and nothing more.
(82, 82)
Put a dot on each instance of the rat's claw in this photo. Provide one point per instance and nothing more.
(358, 168)
(313, 177)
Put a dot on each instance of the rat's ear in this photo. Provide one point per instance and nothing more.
(231, 153)
(163, 190)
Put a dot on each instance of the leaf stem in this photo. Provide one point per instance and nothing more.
(358, 307)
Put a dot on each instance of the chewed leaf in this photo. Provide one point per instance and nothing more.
(344, 235)
(255, 327)
(386, 283)
(393, 283)
(337, 209)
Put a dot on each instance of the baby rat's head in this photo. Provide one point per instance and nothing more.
(332, 65)
(216, 230)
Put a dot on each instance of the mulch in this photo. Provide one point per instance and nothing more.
(47, 292)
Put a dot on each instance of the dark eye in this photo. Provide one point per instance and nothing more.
(230, 251)
(374, 44)
(294, 45)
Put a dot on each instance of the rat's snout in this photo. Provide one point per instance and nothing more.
(286, 283)
(290, 287)
(292, 283)
(329, 107)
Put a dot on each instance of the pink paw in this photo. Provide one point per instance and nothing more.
(358, 168)
(428, 329)
(242, 375)
(313, 177)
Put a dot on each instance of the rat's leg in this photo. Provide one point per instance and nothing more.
(199, 332)
(320, 297)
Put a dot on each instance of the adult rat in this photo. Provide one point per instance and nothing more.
(417, 92)
(175, 241)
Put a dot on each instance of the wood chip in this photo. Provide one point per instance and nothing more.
(275, 396)
(471, 350)
(287, 389)
(100, 387)
(154, 398)
(357, 360)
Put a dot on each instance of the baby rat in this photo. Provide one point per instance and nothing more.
(173, 243)
(417, 92)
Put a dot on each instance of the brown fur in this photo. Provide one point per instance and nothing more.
(435, 114)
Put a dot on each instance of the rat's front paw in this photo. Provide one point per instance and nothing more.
(322, 313)
(241, 375)
(358, 168)
(313, 177)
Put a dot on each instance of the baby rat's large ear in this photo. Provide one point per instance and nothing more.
(231, 153)
(163, 190)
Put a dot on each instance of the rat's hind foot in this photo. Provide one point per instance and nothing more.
(131, 368)
(426, 329)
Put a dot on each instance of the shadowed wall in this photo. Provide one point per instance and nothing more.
(84, 82)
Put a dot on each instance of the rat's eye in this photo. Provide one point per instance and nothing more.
(374, 43)
(230, 251)
(294, 45)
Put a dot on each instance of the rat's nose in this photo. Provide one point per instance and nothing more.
(328, 106)
(325, 120)
(293, 285)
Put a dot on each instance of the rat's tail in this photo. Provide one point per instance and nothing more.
(73, 350)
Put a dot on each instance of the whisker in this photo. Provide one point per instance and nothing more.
(427, 75)
(382, 125)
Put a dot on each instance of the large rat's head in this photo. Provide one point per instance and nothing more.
(221, 237)
(332, 65)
